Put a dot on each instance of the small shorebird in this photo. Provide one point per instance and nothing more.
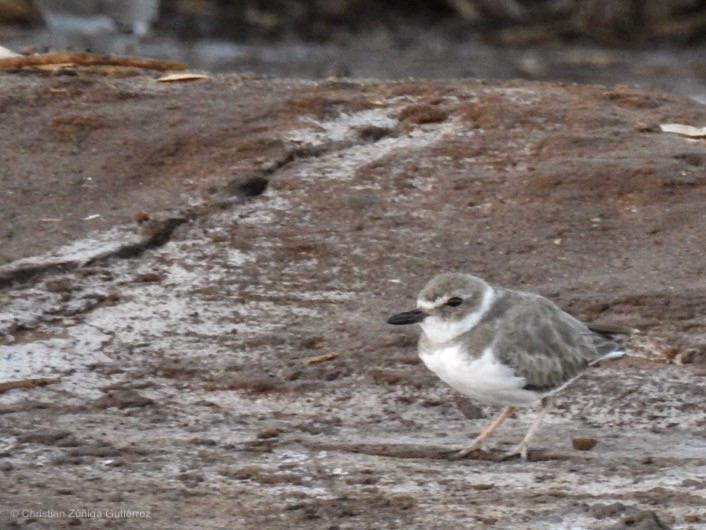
(501, 346)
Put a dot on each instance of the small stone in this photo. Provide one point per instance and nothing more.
(272, 432)
(583, 444)
(141, 217)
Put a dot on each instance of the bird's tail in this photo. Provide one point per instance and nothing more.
(608, 340)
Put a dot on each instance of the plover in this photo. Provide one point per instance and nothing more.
(501, 346)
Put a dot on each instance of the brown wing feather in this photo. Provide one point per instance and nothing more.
(553, 347)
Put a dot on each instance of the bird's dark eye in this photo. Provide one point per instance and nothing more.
(454, 302)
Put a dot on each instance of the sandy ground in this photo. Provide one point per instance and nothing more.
(207, 268)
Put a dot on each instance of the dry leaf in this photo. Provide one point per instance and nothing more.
(174, 78)
(684, 130)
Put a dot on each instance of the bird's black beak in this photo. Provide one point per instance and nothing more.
(408, 317)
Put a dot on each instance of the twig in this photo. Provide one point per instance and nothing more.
(88, 59)
(320, 358)
(28, 383)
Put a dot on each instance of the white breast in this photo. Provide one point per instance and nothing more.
(483, 378)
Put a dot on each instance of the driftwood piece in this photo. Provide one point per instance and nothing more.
(88, 59)
(28, 383)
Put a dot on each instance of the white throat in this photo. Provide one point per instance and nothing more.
(439, 330)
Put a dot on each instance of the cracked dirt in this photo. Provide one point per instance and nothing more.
(207, 268)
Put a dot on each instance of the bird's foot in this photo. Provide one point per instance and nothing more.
(521, 451)
(475, 446)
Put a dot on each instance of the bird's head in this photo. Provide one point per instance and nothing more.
(448, 306)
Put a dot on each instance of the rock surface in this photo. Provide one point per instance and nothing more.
(185, 257)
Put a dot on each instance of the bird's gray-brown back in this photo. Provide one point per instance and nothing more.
(542, 343)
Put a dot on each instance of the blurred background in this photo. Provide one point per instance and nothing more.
(649, 43)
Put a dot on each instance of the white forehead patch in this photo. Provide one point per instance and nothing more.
(425, 304)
